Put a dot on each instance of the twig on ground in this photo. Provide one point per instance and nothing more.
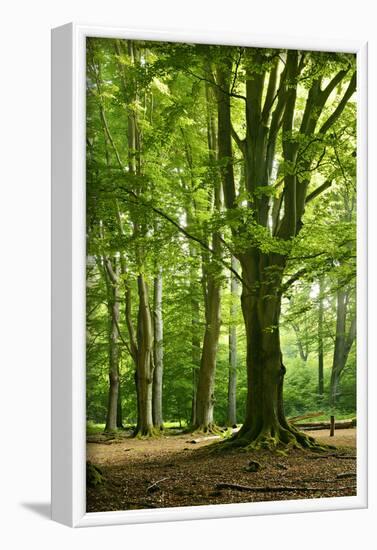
(200, 439)
(343, 475)
(155, 485)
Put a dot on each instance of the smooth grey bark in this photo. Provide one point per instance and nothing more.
(302, 347)
(141, 339)
(343, 341)
(232, 375)
(205, 397)
(195, 339)
(111, 274)
(158, 352)
(320, 340)
(145, 364)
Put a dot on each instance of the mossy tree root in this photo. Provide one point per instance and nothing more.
(273, 438)
(147, 433)
(206, 429)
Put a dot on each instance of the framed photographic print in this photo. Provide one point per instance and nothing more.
(209, 285)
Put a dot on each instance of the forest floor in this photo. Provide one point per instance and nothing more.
(188, 473)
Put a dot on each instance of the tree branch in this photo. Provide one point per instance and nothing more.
(270, 97)
(332, 85)
(111, 273)
(318, 191)
(138, 201)
(214, 83)
(130, 326)
(121, 336)
(241, 50)
(340, 108)
(240, 142)
(293, 279)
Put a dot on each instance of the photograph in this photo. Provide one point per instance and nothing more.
(221, 212)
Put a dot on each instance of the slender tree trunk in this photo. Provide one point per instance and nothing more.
(303, 350)
(142, 343)
(195, 323)
(119, 407)
(320, 340)
(232, 379)
(343, 343)
(158, 352)
(195, 350)
(113, 323)
(206, 377)
(339, 348)
(205, 398)
(145, 364)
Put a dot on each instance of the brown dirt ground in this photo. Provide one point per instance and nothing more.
(190, 472)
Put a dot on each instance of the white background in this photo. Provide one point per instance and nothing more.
(25, 270)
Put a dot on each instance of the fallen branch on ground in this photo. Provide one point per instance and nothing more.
(340, 425)
(344, 457)
(294, 419)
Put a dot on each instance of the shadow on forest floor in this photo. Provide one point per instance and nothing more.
(172, 471)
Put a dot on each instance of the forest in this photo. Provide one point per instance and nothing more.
(221, 270)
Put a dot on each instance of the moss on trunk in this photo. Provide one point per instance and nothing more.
(265, 425)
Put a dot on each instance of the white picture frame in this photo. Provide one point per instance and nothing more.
(68, 279)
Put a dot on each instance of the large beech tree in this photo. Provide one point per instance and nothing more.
(277, 130)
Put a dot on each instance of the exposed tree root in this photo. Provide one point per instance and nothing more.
(147, 433)
(94, 475)
(109, 432)
(207, 429)
(277, 438)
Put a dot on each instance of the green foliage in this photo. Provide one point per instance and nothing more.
(150, 206)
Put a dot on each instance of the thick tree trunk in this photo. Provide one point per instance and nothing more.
(265, 424)
(158, 353)
(232, 377)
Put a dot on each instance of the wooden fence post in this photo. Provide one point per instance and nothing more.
(332, 425)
